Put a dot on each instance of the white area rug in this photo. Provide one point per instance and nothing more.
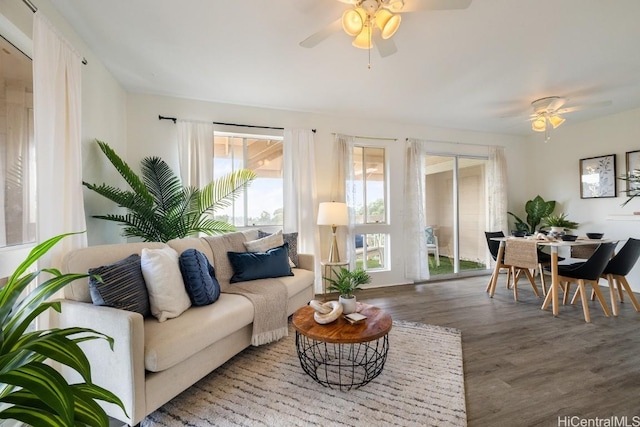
(422, 385)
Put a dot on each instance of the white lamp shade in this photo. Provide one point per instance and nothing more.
(333, 213)
(353, 21)
(539, 124)
(387, 22)
(556, 121)
(363, 40)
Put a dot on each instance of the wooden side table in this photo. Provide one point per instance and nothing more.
(328, 270)
(341, 355)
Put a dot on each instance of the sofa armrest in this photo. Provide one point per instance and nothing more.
(120, 371)
(306, 262)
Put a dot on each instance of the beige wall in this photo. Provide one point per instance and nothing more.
(554, 174)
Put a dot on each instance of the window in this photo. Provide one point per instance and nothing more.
(262, 203)
(17, 154)
(370, 183)
(369, 204)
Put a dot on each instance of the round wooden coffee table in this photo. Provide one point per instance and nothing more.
(341, 355)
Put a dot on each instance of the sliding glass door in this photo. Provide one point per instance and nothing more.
(455, 213)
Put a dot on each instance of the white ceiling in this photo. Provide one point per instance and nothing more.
(461, 69)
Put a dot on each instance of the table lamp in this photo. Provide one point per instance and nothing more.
(333, 214)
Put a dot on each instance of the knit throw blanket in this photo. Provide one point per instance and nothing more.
(268, 296)
(269, 299)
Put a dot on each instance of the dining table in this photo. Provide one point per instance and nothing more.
(554, 244)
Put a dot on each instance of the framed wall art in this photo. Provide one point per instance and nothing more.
(598, 177)
(633, 169)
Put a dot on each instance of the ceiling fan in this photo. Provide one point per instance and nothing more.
(548, 111)
(375, 21)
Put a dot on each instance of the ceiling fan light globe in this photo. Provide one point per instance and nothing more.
(363, 40)
(353, 21)
(556, 121)
(539, 124)
(387, 22)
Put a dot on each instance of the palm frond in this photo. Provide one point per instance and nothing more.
(162, 183)
(221, 192)
(134, 181)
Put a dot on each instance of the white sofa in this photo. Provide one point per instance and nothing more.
(154, 361)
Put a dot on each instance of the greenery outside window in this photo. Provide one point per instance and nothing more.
(262, 203)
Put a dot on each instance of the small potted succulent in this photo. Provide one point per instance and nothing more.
(345, 282)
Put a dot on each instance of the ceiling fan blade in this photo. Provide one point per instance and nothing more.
(385, 47)
(414, 5)
(555, 104)
(584, 107)
(321, 35)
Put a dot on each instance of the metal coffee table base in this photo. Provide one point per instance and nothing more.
(342, 366)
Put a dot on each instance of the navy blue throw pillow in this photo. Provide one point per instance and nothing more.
(199, 277)
(260, 265)
(122, 286)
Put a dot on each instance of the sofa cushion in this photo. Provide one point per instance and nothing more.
(81, 260)
(122, 286)
(300, 281)
(268, 242)
(199, 277)
(181, 245)
(292, 240)
(167, 294)
(220, 245)
(175, 340)
(260, 265)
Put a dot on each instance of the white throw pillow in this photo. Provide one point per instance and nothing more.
(269, 242)
(167, 295)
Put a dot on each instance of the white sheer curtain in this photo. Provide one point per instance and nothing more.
(299, 175)
(416, 261)
(343, 189)
(195, 152)
(57, 108)
(497, 194)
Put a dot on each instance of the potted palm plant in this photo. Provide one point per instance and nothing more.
(559, 223)
(346, 282)
(31, 391)
(160, 208)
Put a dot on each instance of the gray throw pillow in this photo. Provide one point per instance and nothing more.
(122, 286)
(292, 242)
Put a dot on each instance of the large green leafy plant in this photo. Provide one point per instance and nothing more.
(31, 391)
(536, 209)
(160, 208)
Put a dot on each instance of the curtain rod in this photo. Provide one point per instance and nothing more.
(369, 137)
(174, 119)
(34, 9)
(454, 142)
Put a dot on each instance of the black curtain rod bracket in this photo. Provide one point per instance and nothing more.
(174, 119)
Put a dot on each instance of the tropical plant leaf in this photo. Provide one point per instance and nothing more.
(46, 383)
(32, 416)
(134, 181)
(31, 391)
(160, 209)
(162, 183)
(221, 192)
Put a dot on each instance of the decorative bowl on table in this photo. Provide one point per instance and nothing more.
(518, 233)
(595, 235)
(569, 237)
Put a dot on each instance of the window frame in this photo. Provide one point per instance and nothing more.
(245, 194)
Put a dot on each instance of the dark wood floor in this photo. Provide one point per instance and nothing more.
(523, 367)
